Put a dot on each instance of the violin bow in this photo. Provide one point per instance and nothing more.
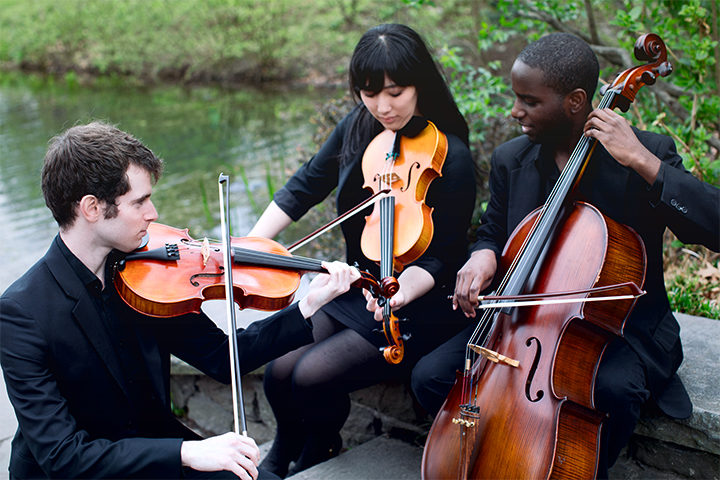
(236, 385)
(340, 219)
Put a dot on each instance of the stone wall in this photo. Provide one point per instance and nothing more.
(386, 408)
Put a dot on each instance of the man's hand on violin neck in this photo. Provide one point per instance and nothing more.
(474, 277)
(236, 453)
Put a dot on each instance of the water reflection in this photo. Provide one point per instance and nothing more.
(199, 132)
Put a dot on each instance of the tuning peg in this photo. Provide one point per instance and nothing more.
(648, 77)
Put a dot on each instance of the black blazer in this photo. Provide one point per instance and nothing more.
(65, 380)
(677, 200)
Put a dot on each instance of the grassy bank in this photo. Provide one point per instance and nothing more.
(213, 41)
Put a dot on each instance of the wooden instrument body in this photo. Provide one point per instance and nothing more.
(538, 420)
(420, 161)
(167, 288)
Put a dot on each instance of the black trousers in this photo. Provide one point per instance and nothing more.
(620, 389)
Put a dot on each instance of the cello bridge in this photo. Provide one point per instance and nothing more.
(493, 356)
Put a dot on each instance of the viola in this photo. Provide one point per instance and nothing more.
(523, 406)
(173, 274)
(400, 227)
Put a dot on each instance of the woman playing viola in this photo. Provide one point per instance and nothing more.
(394, 78)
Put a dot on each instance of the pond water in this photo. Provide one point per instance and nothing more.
(250, 135)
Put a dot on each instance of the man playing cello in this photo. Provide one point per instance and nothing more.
(634, 177)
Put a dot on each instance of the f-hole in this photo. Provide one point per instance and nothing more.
(533, 369)
(415, 165)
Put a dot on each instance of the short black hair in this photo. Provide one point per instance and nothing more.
(567, 63)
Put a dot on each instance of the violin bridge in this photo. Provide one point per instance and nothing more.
(389, 178)
(493, 356)
(205, 251)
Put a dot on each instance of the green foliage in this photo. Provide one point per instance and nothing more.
(684, 105)
(687, 108)
(693, 52)
(179, 412)
(690, 293)
(191, 41)
(480, 92)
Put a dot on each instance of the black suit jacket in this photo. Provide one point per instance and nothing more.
(677, 200)
(65, 380)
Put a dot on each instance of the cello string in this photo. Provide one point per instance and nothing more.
(560, 189)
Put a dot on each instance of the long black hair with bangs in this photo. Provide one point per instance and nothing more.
(399, 52)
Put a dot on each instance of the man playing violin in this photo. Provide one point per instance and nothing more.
(634, 177)
(88, 377)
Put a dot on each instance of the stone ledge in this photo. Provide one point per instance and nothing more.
(699, 373)
(690, 448)
(380, 458)
(386, 408)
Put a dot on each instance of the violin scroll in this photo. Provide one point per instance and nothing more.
(395, 351)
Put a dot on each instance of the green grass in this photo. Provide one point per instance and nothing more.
(207, 41)
(694, 294)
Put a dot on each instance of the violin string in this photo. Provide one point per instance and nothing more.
(387, 211)
(270, 259)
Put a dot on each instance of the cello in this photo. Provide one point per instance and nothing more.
(523, 407)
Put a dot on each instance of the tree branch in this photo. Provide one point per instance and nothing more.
(591, 22)
(615, 55)
(533, 13)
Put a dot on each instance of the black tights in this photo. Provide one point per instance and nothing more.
(308, 388)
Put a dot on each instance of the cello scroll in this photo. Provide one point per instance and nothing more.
(650, 48)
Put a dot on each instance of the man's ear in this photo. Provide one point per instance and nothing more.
(575, 101)
(90, 208)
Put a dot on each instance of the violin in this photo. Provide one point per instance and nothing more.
(523, 407)
(173, 274)
(400, 227)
